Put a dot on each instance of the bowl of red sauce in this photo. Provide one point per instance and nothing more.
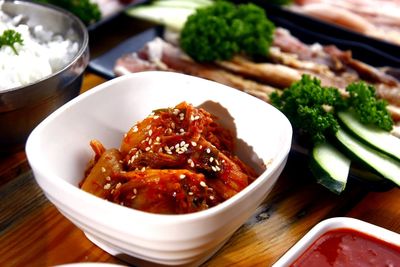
(344, 241)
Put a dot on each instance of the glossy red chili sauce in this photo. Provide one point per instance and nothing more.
(348, 248)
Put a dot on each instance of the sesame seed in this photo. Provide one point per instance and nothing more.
(158, 139)
(174, 194)
(150, 132)
(194, 143)
(143, 169)
(211, 159)
(182, 176)
(203, 184)
(156, 117)
(108, 178)
(190, 161)
(133, 197)
(201, 146)
(107, 186)
(212, 197)
(118, 186)
(217, 168)
(135, 191)
(181, 130)
(213, 168)
(182, 143)
(135, 129)
(103, 169)
(208, 150)
(190, 193)
(148, 127)
(148, 148)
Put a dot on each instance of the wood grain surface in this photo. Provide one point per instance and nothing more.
(34, 233)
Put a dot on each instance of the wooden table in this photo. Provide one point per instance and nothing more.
(34, 233)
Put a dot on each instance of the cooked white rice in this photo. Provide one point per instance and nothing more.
(41, 54)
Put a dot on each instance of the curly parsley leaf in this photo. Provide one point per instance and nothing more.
(220, 31)
(10, 38)
(369, 109)
(309, 107)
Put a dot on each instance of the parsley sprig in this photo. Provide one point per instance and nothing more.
(311, 107)
(10, 38)
(223, 29)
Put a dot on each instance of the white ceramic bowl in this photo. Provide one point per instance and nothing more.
(58, 151)
(331, 224)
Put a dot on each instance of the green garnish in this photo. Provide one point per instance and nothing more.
(87, 11)
(220, 31)
(10, 38)
(369, 109)
(311, 107)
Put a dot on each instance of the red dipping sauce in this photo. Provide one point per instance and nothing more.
(348, 248)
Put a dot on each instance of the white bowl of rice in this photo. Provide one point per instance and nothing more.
(40, 73)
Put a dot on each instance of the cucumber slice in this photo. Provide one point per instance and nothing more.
(378, 138)
(330, 167)
(171, 17)
(193, 4)
(374, 159)
(172, 13)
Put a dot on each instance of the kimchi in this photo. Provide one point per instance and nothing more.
(177, 160)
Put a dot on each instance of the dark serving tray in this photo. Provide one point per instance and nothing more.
(309, 29)
(104, 64)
